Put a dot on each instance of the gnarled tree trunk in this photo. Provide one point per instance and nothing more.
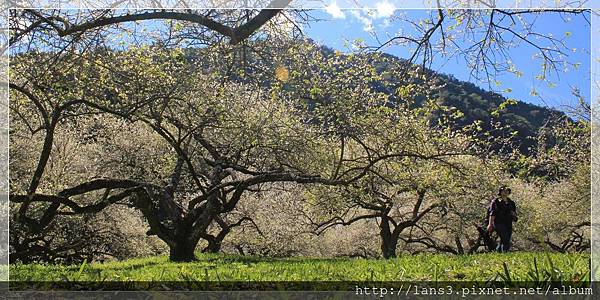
(182, 251)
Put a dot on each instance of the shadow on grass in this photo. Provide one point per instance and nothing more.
(248, 259)
(130, 266)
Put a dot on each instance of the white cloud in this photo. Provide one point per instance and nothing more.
(334, 10)
(384, 9)
(365, 18)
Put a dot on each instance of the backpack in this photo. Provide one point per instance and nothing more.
(486, 220)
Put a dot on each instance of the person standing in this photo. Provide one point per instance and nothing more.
(502, 213)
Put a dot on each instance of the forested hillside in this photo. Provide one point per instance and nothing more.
(477, 104)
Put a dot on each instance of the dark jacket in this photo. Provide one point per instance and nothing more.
(502, 211)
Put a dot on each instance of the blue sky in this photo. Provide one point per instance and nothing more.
(337, 27)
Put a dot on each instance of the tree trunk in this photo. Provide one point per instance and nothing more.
(182, 251)
(214, 246)
(215, 242)
(459, 247)
(388, 242)
(388, 247)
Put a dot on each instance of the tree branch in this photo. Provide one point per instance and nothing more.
(236, 34)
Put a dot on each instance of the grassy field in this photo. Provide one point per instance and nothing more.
(507, 268)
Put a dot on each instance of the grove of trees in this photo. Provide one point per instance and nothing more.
(126, 144)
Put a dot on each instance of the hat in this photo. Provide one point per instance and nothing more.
(502, 188)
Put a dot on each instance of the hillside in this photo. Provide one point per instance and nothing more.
(478, 104)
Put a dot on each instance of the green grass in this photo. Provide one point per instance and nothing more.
(513, 267)
(218, 267)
